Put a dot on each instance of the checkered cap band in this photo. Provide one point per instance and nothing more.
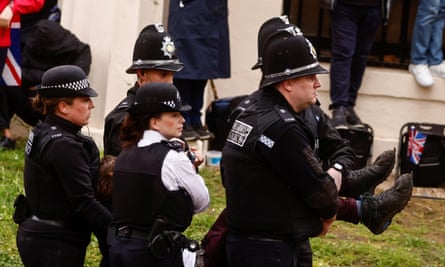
(75, 86)
(170, 103)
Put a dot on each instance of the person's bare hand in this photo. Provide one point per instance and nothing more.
(337, 176)
(327, 224)
(199, 159)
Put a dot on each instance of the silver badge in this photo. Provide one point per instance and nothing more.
(168, 47)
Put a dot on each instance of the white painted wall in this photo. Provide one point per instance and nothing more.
(388, 98)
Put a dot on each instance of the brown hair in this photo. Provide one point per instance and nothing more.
(104, 190)
(134, 126)
(47, 105)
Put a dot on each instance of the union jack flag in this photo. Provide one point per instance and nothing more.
(416, 142)
(12, 72)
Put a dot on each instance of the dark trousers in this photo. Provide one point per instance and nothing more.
(353, 30)
(40, 250)
(131, 252)
(192, 93)
(243, 251)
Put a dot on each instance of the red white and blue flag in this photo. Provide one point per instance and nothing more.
(12, 72)
(416, 142)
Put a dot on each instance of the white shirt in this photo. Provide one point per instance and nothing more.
(178, 172)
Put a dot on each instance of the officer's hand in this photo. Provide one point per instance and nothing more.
(337, 176)
(327, 224)
(199, 159)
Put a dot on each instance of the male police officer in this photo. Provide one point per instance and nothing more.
(333, 150)
(154, 60)
(277, 192)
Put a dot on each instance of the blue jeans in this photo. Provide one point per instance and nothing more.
(427, 42)
(243, 251)
(353, 30)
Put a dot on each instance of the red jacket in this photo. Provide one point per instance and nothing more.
(19, 7)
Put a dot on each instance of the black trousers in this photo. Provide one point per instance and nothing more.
(132, 252)
(245, 251)
(38, 249)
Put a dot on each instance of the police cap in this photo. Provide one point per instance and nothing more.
(157, 97)
(65, 81)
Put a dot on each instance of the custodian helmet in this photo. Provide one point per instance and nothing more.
(266, 29)
(288, 54)
(154, 49)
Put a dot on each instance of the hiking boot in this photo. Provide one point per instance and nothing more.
(367, 178)
(189, 133)
(378, 211)
(202, 132)
(339, 116)
(7, 143)
(352, 117)
(422, 74)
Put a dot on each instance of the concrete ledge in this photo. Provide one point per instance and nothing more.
(388, 99)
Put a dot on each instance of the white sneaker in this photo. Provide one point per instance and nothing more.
(421, 74)
(438, 70)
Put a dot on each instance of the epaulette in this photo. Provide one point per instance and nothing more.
(46, 133)
(124, 105)
(284, 114)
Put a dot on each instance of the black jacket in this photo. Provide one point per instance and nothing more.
(60, 175)
(113, 123)
(274, 182)
(51, 45)
(329, 146)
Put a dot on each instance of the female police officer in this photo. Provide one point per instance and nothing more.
(60, 168)
(156, 189)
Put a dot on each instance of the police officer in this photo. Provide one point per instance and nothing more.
(60, 170)
(156, 189)
(277, 192)
(336, 155)
(154, 60)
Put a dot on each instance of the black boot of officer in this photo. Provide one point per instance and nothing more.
(377, 211)
(357, 182)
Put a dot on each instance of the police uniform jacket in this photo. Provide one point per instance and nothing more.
(113, 123)
(155, 179)
(274, 183)
(60, 171)
(201, 34)
(329, 146)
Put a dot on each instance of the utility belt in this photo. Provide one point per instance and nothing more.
(265, 237)
(56, 223)
(128, 232)
(161, 242)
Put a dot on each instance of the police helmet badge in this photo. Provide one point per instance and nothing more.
(168, 47)
(312, 50)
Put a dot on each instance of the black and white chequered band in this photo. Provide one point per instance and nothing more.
(76, 86)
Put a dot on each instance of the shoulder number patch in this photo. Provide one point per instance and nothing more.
(239, 133)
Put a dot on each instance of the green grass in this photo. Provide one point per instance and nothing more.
(416, 238)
